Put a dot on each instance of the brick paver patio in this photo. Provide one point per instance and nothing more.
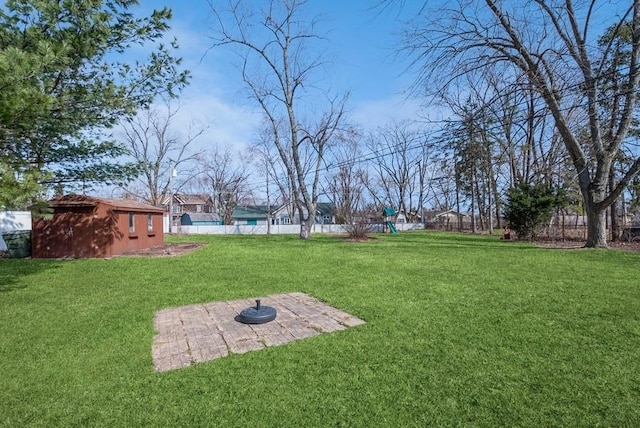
(202, 332)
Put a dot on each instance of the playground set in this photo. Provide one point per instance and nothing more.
(389, 214)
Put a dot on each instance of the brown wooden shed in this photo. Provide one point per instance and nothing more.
(85, 226)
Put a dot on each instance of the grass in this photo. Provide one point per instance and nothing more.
(461, 330)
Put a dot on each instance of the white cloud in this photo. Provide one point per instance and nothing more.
(209, 101)
(227, 125)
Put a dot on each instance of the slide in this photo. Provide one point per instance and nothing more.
(392, 228)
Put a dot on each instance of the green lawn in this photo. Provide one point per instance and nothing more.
(461, 330)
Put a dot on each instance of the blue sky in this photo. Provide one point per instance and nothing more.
(360, 44)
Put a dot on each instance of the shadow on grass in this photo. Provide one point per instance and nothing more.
(13, 270)
(409, 239)
(456, 240)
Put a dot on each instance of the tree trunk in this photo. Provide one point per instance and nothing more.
(596, 227)
(458, 200)
(305, 228)
(613, 209)
(474, 227)
(307, 222)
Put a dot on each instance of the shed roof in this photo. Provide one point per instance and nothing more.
(92, 201)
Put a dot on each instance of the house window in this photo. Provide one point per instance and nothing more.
(150, 222)
(198, 208)
(252, 222)
(132, 223)
(326, 219)
(286, 220)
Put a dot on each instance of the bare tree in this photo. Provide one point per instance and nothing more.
(153, 141)
(400, 166)
(344, 183)
(278, 68)
(224, 177)
(550, 42)
(498, 135)
(271, 163)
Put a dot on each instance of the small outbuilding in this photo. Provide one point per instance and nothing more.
(200, 219)
(85, 226)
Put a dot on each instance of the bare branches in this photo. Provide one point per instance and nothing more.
(546, 40)
(224, 177)
(153, 142)
(278, 67)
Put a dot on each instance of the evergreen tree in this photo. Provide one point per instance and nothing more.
(65, 80)
(529, 206)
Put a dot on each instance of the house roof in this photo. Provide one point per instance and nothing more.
(250, 212)
(326, 208)
(191, 199)
(187, 199)
(440, 213)
(91, 201)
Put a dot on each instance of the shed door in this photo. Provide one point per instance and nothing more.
(75, 234)
(80, 229)
(52, 238)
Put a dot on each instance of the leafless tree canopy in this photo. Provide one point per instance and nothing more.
(554, 45)
(225, 178)
(400, 166)
(154, 142)
(279, 55)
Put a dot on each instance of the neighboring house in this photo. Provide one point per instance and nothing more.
(251, 215)
(193, 203)
(281, 216)
(257, 215)
(84, 226)
(188, 203)
(200, 219)
(408, 217)
(326, 213)
(447, 219)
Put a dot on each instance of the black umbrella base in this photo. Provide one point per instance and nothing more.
(258, 314)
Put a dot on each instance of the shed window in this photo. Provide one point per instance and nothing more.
(132, 223)
(150, 222)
